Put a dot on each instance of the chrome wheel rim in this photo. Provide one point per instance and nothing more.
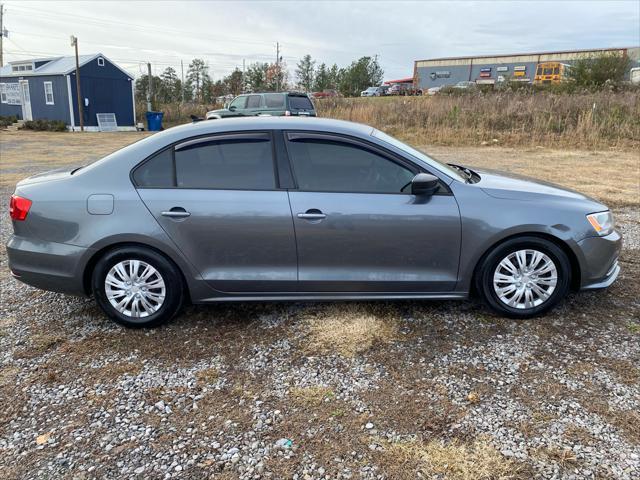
(135, 288)
(525, 279)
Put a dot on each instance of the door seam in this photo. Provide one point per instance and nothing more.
(295, 238)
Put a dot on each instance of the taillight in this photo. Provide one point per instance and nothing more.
(19, 207)
(287, 113)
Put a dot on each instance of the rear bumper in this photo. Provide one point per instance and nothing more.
(51, 266)
(600, 260)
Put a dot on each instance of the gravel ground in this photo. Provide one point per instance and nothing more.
(389, 390)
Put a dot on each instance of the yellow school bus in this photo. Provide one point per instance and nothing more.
(551, 72)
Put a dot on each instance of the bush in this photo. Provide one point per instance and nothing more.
(5, 121)
(45, 125)
(595, 72)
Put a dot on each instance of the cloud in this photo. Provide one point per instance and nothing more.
(225, 33)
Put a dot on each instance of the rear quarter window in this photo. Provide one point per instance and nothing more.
(157, 172)
(300, 103)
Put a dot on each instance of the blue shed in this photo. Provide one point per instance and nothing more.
(45, 88)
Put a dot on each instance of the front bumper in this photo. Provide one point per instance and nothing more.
(599, 265)
(58, 267)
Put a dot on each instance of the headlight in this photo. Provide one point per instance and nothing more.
(602, 222)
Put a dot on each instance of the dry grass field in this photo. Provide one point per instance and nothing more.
(379, 390)
(582, 121)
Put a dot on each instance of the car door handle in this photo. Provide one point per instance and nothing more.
(312, 214)
(176, 212)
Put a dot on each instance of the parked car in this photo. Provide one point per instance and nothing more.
(291, 209)
(403, 89)
(464, 85)
(373, 92)
(330, 93)
(434, 90)
(266, 104)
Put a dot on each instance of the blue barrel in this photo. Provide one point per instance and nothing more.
(154, 121)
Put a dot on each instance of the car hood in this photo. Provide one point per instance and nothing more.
(519, 187)
(57, 174)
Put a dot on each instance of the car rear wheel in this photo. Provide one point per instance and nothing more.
(524, 277)
(137, 287)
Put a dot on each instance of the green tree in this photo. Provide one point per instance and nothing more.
(256, 77)
(596, 71)
(335, 76)
(142, 87)
(361, 74)
(322, 80)
(234, 83)
(305, 73)
(198, 81)
(170, 88)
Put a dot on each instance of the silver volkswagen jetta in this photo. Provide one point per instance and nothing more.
(293, 209)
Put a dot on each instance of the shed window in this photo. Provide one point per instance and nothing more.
(3, 93)
(100, 62)
(48, 93)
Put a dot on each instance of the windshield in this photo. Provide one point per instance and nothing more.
(442, 167)
(372, 89)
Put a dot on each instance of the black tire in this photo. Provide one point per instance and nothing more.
(174, 287)
(485, 275)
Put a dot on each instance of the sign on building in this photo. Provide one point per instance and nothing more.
(13, 93)
(502, 69)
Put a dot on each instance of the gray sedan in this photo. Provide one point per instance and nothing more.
(301, 209)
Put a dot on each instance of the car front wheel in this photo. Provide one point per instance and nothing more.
(137, 287)
(524, 277)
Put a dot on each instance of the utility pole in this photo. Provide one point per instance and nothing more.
(149, 89)
(74, 43)
(1, 34)
(277, 67)
(182, 80)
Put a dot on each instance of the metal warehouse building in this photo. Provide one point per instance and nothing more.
(45, 88)
(495, 68)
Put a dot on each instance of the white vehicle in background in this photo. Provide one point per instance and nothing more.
(464, 85)
(434, 90)
(373, 92)
(634, 76)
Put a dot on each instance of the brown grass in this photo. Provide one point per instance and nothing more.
(456, 460)
(349, 329)
(587, 120)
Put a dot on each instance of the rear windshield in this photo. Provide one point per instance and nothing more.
(274, 100)
(300, 103)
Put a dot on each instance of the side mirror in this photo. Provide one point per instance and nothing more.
(424, 184)
(232, 108)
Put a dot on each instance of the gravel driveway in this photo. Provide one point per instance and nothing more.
(323, 391)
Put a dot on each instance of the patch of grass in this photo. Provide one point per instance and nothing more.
(349, 329)
(311, 396)
(634, 328)
(564, 457)
(41, 344)
(207, 376)
(455, 460)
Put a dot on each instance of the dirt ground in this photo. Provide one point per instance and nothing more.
(437, 390)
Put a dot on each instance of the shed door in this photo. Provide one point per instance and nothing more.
(26, 100)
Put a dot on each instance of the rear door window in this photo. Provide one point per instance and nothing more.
(300, 103)
(228, 163)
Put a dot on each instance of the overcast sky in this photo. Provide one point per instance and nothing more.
(224, 33)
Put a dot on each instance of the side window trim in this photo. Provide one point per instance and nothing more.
(292, 136)
(262, 135)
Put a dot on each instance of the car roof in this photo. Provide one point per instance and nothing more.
(267, 123)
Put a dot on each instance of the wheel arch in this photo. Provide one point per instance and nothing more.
(576, 271)
(98, 254)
